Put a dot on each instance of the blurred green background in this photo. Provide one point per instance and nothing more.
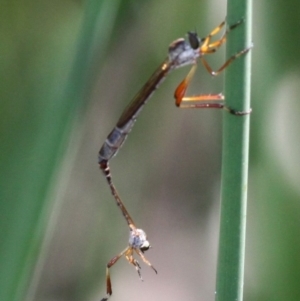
(68, 69)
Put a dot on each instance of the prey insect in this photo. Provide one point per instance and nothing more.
(181, 52)
(138, 243)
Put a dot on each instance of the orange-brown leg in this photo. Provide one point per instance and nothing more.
(206, 40)
(140, 253)
(108, 281)
(208, 47)
(226, 64)
(185, 101)
(133, 261)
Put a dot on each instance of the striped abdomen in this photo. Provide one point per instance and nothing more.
(118, 135)
(114, 141)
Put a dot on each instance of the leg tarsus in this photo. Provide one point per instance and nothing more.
(134, 262)
(211, 105)
(237, 113)
(145, 260)
(226, 64)
(138, 268)
(239, 22)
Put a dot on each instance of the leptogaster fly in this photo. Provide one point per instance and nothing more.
(181, 52)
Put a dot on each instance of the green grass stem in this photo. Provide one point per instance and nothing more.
(38, 109)
(230, 270)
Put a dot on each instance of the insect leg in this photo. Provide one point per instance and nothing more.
(140, 253)
(108, 281)
(183, 101)
(226, 64)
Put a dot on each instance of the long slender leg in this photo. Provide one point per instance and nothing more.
(108, 281)
(134, 262)
(208, 47)
(140, 253)
(226, 64)
(181, 99)
(182, 87)
(187, 101)
(205, 41)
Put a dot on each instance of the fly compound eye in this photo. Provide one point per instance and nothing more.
(145, 246)
(194, 40)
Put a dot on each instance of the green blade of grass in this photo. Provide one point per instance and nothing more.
(230, 271)
(38, 109)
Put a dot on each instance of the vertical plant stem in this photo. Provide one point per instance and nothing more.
(230, 271)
